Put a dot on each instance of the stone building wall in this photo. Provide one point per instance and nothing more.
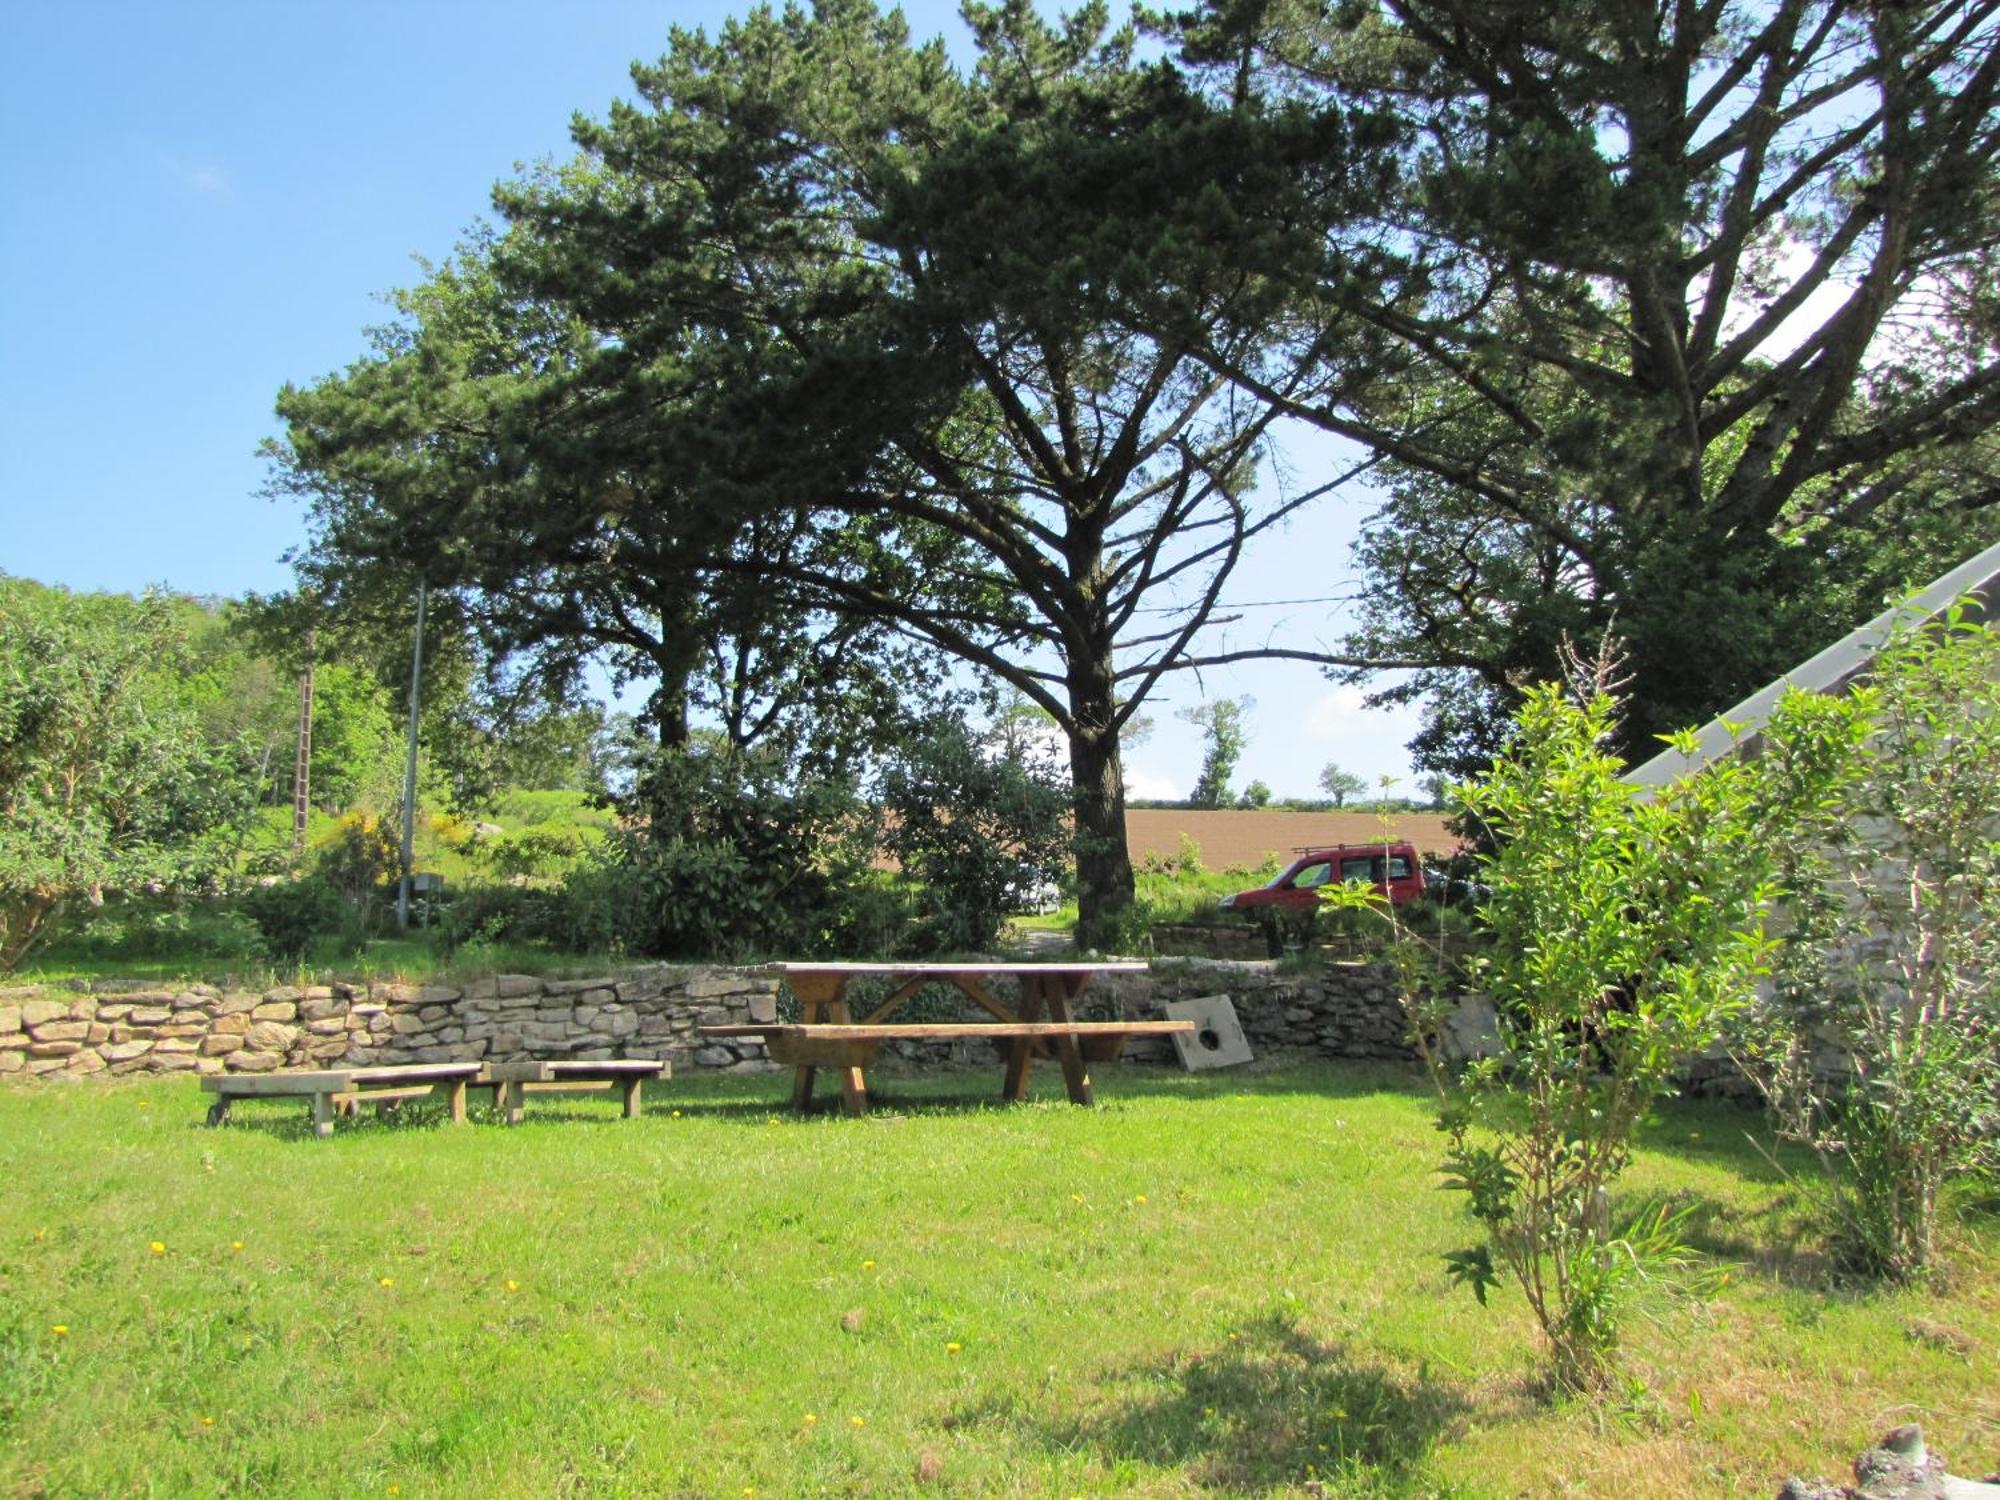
(113, 1028)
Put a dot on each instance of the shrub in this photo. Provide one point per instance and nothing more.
(969, 827)
(107, 782)
(292, 915)
(1624, 933)
(1880, 1047)
(732, 857)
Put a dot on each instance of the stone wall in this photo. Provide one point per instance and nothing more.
(112, 1028)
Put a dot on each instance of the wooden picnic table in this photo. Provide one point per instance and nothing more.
(329, 1089)
(1040, 1026)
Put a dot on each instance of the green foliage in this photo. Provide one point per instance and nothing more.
(107, 781)
(969, 828)
(735, 857)
(1624, 935)
(1600, 416)
(1881, 1044)
(1339, 784)
(293, 915)
(1221, 724)
(357, 747)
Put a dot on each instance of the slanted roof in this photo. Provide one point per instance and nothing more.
(1833, 669)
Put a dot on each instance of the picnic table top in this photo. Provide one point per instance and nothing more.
(912, 970)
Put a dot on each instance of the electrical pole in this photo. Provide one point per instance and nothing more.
(410, 772)
(302, 765)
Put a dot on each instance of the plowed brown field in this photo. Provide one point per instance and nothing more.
(1237, 840)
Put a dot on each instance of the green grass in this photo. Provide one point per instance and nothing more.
(1223, 1285)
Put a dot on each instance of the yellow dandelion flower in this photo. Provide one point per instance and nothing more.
(236, 1246)
(811, 1417)
(750, 1490)
(1139, 1198)
(158, 1247)
(513, 1286)
(953, 1348)
(868, 1265)
(1076, 1197)
(208, 1421)
(41, 1234)
(1235, 1337)
(395, 1489)
(386, 1281)
(144, 1102)
(60, 1330)
(857, 1421)
(677, 1114)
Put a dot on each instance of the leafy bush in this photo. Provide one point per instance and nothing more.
(107, 781)
(293, 915)
(1624, 934)
(726, 856)
(968, 827)
(516, 914)
(188, 929)
(1880, 1047)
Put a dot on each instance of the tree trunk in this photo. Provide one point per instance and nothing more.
(1103, 859)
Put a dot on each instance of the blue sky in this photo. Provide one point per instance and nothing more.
(204, 200)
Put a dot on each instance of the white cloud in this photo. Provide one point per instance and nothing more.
(1337, 714)
(1144, 782)
(203, 179)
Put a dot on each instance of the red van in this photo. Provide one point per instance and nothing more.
(1392, 868)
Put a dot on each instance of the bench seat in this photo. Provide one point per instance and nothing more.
(346, 1088)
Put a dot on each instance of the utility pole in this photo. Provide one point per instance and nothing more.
(410, 772)
(302, 765)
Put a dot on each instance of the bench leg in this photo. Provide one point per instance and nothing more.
(633, 1088)
(218, 1112)
(322, 1111)
(513, 1101)
(458, 1088)
(802, 1088)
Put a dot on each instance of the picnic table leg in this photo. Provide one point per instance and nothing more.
(457, 1087)
(1075, 1074)
(853, 1083)
(322, 1112)
(1021, 1051)
(218, 1112)
(816, 995)
(632, 1089)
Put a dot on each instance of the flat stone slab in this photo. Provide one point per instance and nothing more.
(1217, 1040)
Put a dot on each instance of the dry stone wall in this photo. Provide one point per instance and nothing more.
(114, 1028)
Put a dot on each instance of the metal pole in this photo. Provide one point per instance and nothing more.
(410, 772)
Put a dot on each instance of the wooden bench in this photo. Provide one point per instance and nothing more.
(512, 1081)
(328, 1089)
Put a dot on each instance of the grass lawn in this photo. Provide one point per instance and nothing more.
(1227, 1285)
